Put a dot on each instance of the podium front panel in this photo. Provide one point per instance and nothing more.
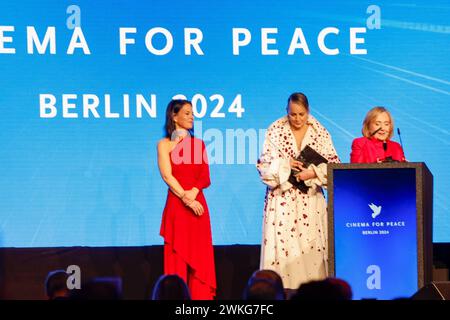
(375, 231)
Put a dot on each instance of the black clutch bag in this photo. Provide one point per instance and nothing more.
(307, 156)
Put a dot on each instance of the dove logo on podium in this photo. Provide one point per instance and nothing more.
(376, 210)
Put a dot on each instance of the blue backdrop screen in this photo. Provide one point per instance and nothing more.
(84, 87)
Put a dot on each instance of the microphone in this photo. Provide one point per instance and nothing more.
(373, 133)
(385, 145)
(400, 137)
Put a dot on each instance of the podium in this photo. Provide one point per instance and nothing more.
(380, 228)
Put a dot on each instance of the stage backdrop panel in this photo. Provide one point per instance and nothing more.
(84, 87)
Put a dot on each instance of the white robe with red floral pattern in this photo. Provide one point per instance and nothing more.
(295, 224)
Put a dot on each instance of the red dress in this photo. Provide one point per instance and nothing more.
(371, 150)
(188, 250)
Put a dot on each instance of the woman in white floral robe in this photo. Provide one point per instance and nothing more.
(295, 224)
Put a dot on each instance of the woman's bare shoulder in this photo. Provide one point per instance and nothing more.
(164, 144)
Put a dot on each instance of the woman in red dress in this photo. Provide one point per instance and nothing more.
(376, 146)
(185, 227)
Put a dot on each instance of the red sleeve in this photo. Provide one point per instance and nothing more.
(203, 180)
(356, 156)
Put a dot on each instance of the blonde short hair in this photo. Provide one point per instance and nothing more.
(371, 115)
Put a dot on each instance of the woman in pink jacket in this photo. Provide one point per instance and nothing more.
(375, 146)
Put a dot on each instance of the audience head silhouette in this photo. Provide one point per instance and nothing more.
(264, 285)
(271, 276)
(56, 285)
(328, 289)
(99, 289)
(171, 287)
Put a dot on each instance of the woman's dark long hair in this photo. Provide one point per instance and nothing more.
(173, 108)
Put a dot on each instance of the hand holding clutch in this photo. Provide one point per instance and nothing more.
(305, 174)
(307, 157)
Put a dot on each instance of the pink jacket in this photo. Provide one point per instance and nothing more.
(371, 150)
